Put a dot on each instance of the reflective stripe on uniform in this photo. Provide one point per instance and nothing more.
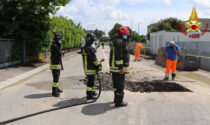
(90, 72)
(55, 84)
(166, 75)
(87, 72)
(113, 57)
(90, 89)
(58, 67)
(114, 90)
(96, 63)
(114, 69)
(126, 69)
(119, 62)
(119, 94)
(83, 52)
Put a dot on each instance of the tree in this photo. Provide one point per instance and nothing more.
(104, 39)
(134, 37)
(72, 33)
(29, 21)
(143, 38)
(99, 33)
(113, 31)
(168, 24)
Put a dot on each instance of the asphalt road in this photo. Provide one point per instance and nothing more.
(173, 108)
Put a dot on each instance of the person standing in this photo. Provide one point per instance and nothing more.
(102, 45)
(91, 65)
(56, 63)
(171, 55)
(110, 44)
(119, 63)
(138, 51)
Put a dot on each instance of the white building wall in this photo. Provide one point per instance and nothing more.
(159, 39)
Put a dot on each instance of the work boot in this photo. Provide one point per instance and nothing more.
(55, 92)
(90, 95)
(115, 97)
(166, 78)
(94, 93)
(60, 90)
(119, 101)
(173, 76)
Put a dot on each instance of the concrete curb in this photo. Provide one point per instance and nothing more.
(19, 78)
(23, 76)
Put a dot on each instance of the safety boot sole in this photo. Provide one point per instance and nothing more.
(123, 104)
(91, 98)
(55, 95)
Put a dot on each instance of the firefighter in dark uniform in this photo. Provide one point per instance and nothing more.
(91, 65)
(119, 63)
(56, 63)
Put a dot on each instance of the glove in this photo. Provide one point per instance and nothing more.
(122, 71)
(99, 67)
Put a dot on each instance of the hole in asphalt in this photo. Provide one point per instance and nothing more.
(155, 86)
(148, 85)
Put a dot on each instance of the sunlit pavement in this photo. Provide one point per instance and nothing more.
(158, 108)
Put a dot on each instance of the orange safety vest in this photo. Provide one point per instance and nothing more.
(139, 47)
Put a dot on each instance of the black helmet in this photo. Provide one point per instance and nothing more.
(58, 36)
(90, 38)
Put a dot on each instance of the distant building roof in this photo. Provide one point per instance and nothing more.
(204, 22)
(149, 27)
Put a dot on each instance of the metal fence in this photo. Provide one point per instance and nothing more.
(9, 54)
(200, 48)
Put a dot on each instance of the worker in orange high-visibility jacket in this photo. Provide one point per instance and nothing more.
(171, 55)
(138, 51)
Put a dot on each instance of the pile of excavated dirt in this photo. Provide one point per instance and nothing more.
(160, 59)
(106, 81)
(140, 76)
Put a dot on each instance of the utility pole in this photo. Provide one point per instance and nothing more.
(139, 28)
(131, 25)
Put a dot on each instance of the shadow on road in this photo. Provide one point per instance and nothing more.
(96, 109)
(71, 102)
(37, 96)
(72, 82)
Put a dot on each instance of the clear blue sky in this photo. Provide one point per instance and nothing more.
(103, 14)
